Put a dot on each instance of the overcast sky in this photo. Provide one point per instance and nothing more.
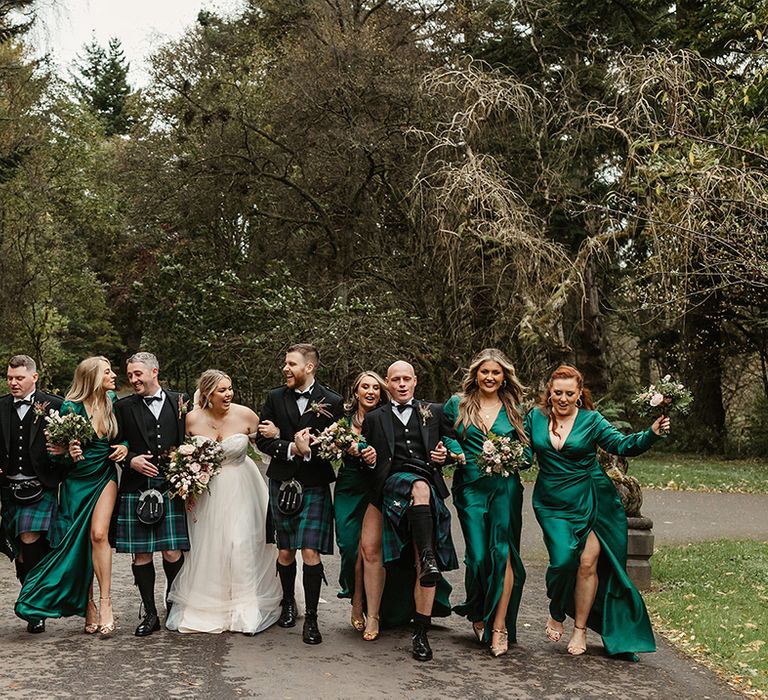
(141, 25)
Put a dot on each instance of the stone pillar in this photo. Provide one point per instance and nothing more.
(639, 550)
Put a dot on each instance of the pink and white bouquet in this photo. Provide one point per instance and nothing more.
(501, 455)
(192, 465)
(335, 440)
(663, 398)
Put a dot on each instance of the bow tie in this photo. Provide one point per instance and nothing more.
(23, 402)
(402, 406)
(149, 399)
(302, 394)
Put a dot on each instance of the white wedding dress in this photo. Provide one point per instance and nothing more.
(228, 580)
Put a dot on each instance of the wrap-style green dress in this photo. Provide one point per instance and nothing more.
(574, 496)
(490, 513)
(58, 585)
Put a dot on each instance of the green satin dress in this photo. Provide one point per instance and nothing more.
(572, 497)
(490, 514)
(58, 585)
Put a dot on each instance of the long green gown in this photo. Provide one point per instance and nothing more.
(353, 492)
(574, 496)
(58, 585)
(490, 512)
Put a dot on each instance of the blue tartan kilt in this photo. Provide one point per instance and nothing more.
(312, 528)
(396, 499)
(36, 517)
(132, 536)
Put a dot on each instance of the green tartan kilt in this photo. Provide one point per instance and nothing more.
(396, 499)
(36, 517)
(312, 528)
(134, 537)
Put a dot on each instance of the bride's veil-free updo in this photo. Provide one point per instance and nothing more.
(206, 385)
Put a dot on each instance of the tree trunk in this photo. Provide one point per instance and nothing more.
(590, 356)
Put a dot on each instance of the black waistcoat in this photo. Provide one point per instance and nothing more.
(162, 432)
(18, 453)
(408, 442)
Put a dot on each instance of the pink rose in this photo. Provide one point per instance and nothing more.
(656, 399)
(203, 477)
(194, 467)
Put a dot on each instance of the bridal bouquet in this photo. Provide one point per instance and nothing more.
(663, 398)
(335, 440)
(192, 465)
(61, 430)
(501, 455)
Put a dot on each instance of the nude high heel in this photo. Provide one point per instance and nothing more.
(503, 644)
(91, 627)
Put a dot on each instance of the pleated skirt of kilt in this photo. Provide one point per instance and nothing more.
(396, 499)
(312, 527)
(132, 536)
(35, 517)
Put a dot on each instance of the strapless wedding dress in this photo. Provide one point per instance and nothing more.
(228, 580)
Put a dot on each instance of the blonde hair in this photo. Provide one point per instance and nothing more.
(354, 402)
(87, 387)
(511, 393)
(206, 385)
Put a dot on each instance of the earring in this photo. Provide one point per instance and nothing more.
(504, 384)
(579, 402)
(549, 400)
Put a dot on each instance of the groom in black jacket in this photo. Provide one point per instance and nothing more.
(23, 458)
(406, 435)
(300, 410)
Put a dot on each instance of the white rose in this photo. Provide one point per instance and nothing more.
(656, 399)
(186, 450)
(488, 447)
(194, 467)
(667, 378)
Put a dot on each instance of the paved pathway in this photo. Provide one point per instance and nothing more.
(64, 663)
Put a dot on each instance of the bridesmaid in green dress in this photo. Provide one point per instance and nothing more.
(489, 506)
(62, 582)
(583, 521)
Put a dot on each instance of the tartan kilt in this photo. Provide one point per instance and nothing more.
(132, 536)
(396, 499)
(312, 528)
(36, 517)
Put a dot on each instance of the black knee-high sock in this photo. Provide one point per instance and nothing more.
(312, 578)
(144, 576)
(287, 574)
(421, 621)
(33, 552)
(21, 570)
(171, 569)
(420, 521)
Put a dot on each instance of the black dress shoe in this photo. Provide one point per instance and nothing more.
(249, 634)
(421, 649)
(289, 614)
(36, 627)
(311, 633)
(150, 623)
(430, 574)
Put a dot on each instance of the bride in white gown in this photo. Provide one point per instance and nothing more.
(228, 580)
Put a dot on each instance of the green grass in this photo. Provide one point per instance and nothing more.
(711, 600)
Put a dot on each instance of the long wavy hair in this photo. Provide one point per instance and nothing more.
(206, 385)
(88, 387)
(354, 403)
(511, 394)
(545, 400)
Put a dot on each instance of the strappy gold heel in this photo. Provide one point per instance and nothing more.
(479, 629)
(578, 649)
(108, 629)
(553, 634)
(358, 623)
(368, 635)
(503, 645)
(91, 627)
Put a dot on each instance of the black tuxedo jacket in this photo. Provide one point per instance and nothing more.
(281, 409)
(379, 433)
(49, 472)
(131, 415)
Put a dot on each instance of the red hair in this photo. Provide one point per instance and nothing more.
(564, 372)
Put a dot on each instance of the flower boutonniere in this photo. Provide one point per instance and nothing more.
(425, 412)
(183, 406)
(41, 409)
(320, 408)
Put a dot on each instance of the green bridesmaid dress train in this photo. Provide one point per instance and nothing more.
(58, 585)
(490, 512)
(573, 497)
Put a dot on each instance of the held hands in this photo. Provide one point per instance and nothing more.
(661, 425)
(368, 455)
(439, 454)
(461, 458)
(301, 442)
(141, 464)
(119, 453)
(268, 429)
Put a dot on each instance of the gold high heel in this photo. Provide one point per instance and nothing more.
(479, 631)
(357, 622)
(108, 629)
(368, 635)
(578, 649)
(91, 627)
(503, 645)
(553, 634)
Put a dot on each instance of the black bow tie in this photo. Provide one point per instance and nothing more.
(149, 399)
(402, 406)
(23, 402)
(302, 394)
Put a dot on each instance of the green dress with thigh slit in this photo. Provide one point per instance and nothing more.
(573, 497)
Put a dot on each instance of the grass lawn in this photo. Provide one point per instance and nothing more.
(711, 600)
